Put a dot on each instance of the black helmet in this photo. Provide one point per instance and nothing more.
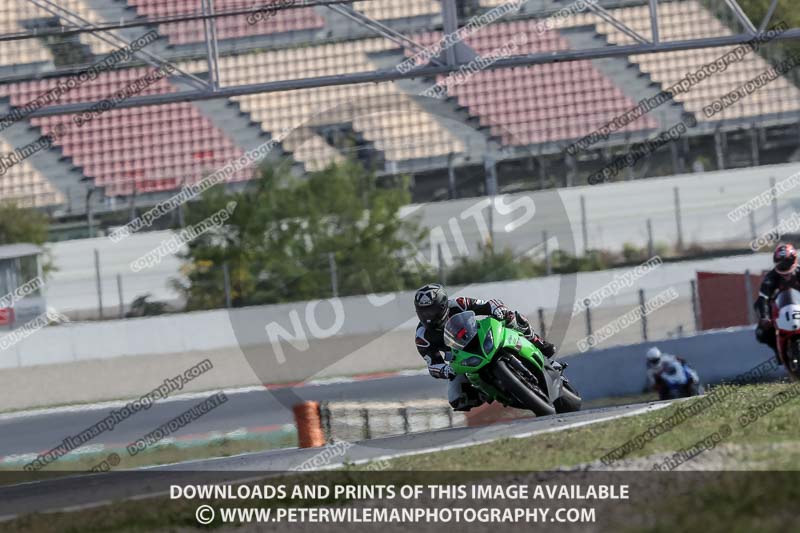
(431, 304)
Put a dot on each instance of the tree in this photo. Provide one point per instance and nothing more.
(566, 263)
(785, 11)
(22, 225)
(489, 266)
(277, 244)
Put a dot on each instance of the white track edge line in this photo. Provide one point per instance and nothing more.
(433, 449)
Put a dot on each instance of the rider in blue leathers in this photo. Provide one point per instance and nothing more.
(671, 376)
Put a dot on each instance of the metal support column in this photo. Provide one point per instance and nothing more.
(212, 53)
(611, 19)
(695, 306)
(490, 175)
(654, 21)
(775, 220)
(678, 222)
(98, 283)
(720, 139)
(548, 265)
(334, 274)
(754, 149)
(451, 177)
(587, 303)
(644, 315)
(584, 226)
(741, 16)
(121, 299)
(768, 16)
(381, 29)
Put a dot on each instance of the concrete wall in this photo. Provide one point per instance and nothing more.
(72, 287)
(212, 331)
(716, 355)
(616, 213)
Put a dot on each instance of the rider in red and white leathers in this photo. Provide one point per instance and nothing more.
(784, 275)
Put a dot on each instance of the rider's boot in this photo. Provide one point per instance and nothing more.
(462, 395)
(547, 349)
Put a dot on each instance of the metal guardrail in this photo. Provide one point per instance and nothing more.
(353, 421)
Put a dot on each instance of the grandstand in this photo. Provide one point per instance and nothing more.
(519, 120)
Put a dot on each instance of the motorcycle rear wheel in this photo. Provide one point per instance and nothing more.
(521, 390)
(569, 401)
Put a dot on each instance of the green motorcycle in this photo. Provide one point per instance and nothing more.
(505, 366)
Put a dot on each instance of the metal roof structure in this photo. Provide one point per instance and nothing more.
(15, 251)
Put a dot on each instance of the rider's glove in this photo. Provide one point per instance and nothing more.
(441, 371)
(499, 310)
(507, 316)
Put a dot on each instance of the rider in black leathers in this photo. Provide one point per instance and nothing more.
(433, 309)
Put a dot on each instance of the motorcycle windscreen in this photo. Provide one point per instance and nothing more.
(460, 329)
(788, 306)
(787, 297)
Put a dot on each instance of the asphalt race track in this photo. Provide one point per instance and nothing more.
(83, 491)
(252, 409)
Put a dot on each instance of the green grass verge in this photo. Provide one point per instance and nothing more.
(589, 443)
(766, 503)
(747, 505)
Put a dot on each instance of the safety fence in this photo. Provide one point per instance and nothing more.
(353, 421)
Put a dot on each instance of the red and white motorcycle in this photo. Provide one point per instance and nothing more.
(786, 320)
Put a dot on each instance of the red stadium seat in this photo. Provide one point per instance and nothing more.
(184, 32)
(121, 142)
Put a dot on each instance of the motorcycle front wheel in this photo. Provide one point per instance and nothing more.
(793, 357)
(520, 389)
